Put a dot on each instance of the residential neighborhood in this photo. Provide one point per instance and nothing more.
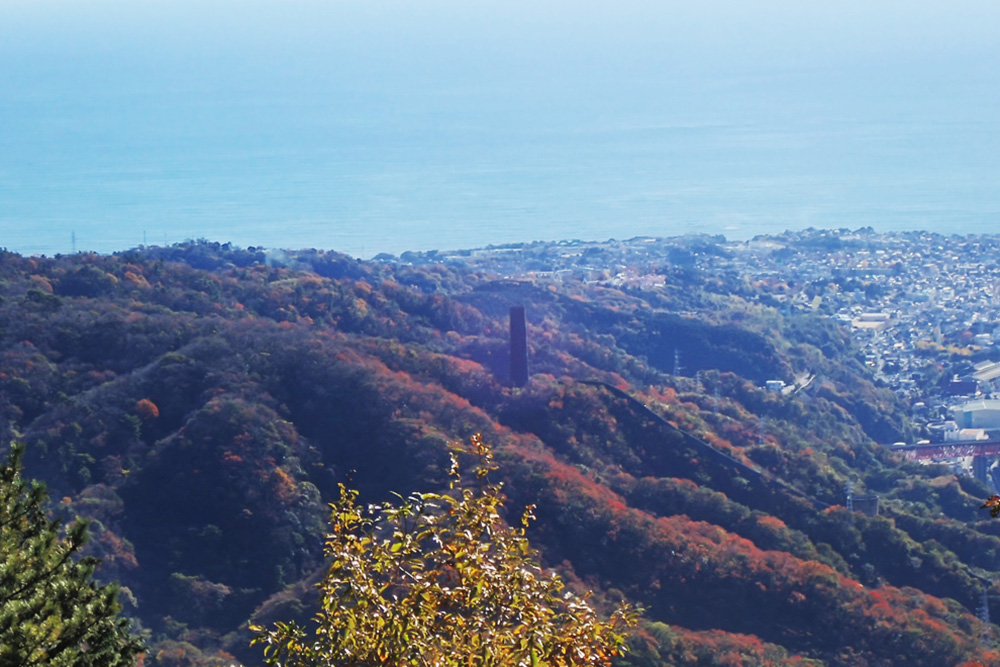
(924, 308)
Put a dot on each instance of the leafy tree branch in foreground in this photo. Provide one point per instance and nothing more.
(52, 613)
(439, 580)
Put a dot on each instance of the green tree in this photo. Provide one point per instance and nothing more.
(439, 580)
(52, 613)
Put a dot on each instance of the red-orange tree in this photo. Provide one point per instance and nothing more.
(439, 580)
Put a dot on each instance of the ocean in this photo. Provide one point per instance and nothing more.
(107, 150)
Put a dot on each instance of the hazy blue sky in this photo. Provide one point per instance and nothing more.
(742, 34)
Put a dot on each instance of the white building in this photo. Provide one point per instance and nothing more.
(978, 414)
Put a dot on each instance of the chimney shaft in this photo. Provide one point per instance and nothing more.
(518, 347)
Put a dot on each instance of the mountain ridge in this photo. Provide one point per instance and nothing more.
(273, 376)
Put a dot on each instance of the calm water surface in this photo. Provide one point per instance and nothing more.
(124, 147)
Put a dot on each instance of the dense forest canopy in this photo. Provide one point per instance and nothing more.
(201, 403)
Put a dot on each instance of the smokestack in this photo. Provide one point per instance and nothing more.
(518, 347)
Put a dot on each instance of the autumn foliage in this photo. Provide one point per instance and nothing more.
(146, 409)
(439, 580)
(202, 403)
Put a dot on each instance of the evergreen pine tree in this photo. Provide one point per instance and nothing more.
(52, 612)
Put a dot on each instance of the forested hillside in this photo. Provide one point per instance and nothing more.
(201, 403)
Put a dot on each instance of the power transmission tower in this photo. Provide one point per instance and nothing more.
(984, 616)
(850, 500)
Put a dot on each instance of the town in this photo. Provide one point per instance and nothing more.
(924, 308)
